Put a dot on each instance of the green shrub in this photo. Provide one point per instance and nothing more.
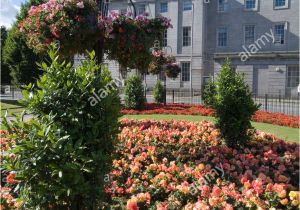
(158, 92)
(61, 157)
(209, 92)
(231, 99)
(134, 93)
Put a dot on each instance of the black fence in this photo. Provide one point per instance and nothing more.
(271, 103)
(10, 92)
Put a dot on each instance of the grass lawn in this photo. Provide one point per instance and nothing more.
(286, 133)
(12, 107)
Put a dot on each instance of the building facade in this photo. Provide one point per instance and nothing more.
(261, 38)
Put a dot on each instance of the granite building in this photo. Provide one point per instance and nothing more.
(261, 38)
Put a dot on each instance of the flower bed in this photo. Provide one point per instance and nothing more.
(184, 109)
(183, 165)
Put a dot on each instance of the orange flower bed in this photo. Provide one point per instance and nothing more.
(184, 109)
(185, 165)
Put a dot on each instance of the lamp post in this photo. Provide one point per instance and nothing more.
(165, 79)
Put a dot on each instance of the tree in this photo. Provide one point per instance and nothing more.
(5, 77)
(19, 58)
(231, 99)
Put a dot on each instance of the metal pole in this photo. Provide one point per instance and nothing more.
(134, 9)
(192, 48)
(165, 90)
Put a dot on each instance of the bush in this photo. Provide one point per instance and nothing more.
(158, 92)
(61, 157)
(134, 93)
(233, 104)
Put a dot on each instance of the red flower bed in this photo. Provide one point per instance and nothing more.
(184, 109)
(176, 109)
(276, 118)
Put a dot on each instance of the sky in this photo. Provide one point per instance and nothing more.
(8, 11)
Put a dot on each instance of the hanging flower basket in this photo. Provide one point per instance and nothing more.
(128, 39)
(172, 70)
(72, 23)
(158, 60)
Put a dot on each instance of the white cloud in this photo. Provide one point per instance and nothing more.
(8, 12)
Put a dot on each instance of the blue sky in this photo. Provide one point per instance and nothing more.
(8, 11)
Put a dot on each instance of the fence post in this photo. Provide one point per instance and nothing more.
(13, 92)
(266, 102)
(173, 96)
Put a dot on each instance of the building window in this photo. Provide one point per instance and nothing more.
(292, 76)
(249, 32)
(163, 7)
(165, 38)
(281, 4)
(187, 5)
(123, 11)
(222, 37)
(186, 36)
(185, 71)
(279, 33)
(141, 9)
(251, 4)
(222, 5)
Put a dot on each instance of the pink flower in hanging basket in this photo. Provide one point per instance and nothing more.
(80, 5)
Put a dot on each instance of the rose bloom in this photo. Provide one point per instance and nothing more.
(132, 204)
(205, 191)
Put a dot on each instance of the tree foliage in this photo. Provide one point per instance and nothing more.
(62, 155)
(134, 93)
(231, 99)
(158, 92)
(19, 58)
(5, 77)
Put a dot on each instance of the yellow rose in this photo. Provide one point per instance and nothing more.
(201, 166)
(294, 195)
(295, 202)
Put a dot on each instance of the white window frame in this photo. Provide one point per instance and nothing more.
(254, 35)
(251, 9)
(167, 8)
(139, 8)
(285, 24)
(286, 6)
(187, 5)
(222, 27)
(189, 38)
(225, 6)
(292, 76)
(189, 71)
